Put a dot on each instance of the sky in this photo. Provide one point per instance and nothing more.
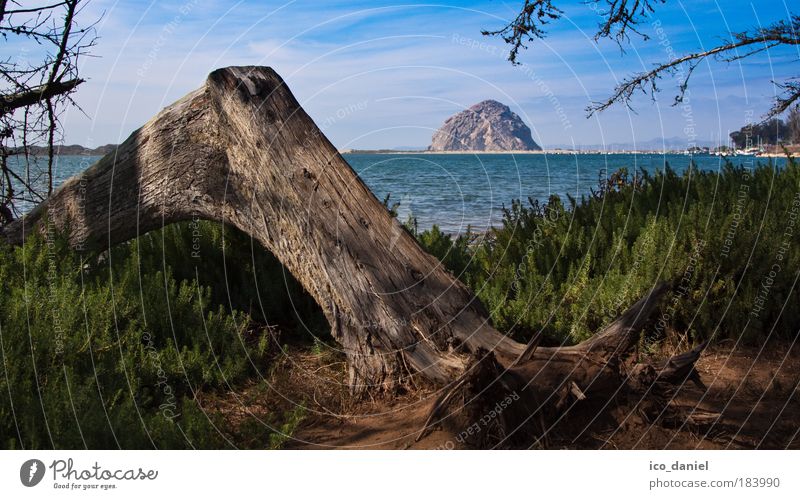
(377, 74)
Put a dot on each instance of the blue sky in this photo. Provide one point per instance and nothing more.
(384, 74)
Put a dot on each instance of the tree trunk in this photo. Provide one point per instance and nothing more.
(241, 150)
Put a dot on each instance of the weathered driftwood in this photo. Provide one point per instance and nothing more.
(241, 150)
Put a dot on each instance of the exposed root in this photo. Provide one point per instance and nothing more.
(484, 406)
(495, 405)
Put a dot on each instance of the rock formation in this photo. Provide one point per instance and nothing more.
(486, 126)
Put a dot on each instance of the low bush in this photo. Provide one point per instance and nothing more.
(114, 349)
(727, 241)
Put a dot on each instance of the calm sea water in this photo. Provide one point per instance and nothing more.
(457, 190)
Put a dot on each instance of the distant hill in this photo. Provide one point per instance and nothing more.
(71, 150)
(486, 126)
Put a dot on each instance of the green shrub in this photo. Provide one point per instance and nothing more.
(112, 350)
(570, 270)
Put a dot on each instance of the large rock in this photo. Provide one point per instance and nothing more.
(486, 126)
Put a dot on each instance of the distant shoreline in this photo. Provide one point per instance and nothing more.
(77, 150)
(548, 151)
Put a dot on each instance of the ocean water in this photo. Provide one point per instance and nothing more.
(459, 190)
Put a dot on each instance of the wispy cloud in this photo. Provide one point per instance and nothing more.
(399, 71)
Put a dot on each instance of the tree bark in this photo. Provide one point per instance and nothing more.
(241, 150)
